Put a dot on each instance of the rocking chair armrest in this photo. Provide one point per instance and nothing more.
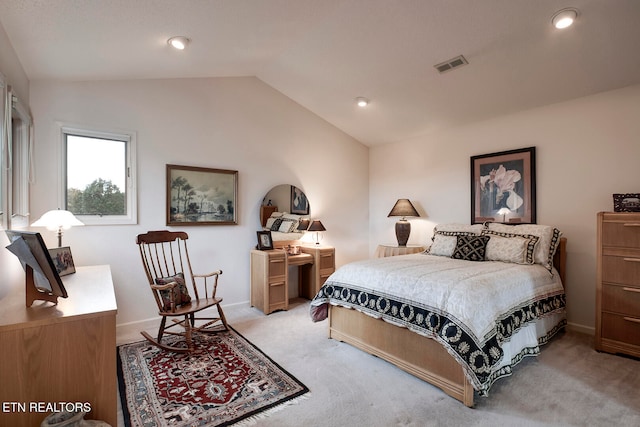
(169, 285)
(213, 273)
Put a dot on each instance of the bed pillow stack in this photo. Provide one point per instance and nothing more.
(519, 244)
(445, 237)
(548, 239)
(283, 222)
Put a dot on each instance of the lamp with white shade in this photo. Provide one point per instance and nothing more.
(504, 212)
(403, 208)
(57, 220)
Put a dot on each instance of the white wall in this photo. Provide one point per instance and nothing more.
(11, 68)
(586, 150)
(228, 123)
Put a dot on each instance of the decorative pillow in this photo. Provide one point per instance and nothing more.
(276, 214)
(470, 248)
(549, 238)
(287, 225)
(269, 223)
(275, 225)
(506, 247)
(180, 292)
(443, 245)
(459, 228)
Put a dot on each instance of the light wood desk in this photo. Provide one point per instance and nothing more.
(60, 353)
(270, 275)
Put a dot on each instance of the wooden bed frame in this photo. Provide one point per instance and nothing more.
(422, 357)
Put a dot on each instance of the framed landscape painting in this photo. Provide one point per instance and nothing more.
(201, 196)
(503, 187)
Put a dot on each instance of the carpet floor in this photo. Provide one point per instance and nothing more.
(568, 384)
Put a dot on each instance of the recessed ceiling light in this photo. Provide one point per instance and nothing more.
(178, 42)
(362, 101)
(564, 18)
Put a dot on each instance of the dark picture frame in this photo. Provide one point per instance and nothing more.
(42, 279)
(627, 202)
(201, 196)
(62, 260)
(265, 241)
(299, 202)
(504, 179)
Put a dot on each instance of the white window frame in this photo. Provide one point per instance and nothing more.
(19, 176)
(129, 138)
(4, 164)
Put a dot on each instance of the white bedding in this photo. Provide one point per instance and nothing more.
(488, 315)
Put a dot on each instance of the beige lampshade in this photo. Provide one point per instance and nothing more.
(403, 208)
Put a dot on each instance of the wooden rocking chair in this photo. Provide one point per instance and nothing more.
(166, 262)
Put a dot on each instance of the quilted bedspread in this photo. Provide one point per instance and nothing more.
(488, 315)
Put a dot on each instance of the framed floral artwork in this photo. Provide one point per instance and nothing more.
(503, 187)
(201, 196)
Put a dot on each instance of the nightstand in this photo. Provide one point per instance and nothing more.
(393, 250)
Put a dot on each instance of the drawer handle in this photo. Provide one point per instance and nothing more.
(632, 259)
(632, 319)
(631, 289)
(632, 224)
(282, 261)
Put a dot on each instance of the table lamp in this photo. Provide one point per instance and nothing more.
(57, 220)
(316, 226)
(403, 208)
(504, 212)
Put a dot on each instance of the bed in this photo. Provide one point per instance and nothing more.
(446, 318)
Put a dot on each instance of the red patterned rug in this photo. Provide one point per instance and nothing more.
(226, 380)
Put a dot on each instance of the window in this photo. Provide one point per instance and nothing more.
(15, 159)
(98, 179)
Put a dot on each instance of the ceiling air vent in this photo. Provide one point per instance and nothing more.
(451, 64)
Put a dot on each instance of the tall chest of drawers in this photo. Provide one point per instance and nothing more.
(618, 283)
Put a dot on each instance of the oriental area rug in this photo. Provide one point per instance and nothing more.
(226, 380)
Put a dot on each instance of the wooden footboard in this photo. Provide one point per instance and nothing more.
(420, 356)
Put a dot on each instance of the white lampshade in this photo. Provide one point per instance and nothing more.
(57, 220)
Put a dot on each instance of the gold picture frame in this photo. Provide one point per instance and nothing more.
(201, 196)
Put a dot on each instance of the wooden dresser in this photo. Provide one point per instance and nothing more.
(60, 353)
(270, 275)
(618, 283)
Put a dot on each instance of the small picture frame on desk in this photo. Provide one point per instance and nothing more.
(62, 260)
(265, 241)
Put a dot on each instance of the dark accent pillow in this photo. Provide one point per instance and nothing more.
(181, 293)
(276, 224)
(470, 248)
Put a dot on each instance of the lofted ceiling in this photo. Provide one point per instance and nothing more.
(325, 53)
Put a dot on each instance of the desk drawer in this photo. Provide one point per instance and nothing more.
(621, 328)
(621, 299)
(623, 270)
(624, 234)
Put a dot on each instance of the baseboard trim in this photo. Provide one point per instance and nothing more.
(576, 327)
(124, 331)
